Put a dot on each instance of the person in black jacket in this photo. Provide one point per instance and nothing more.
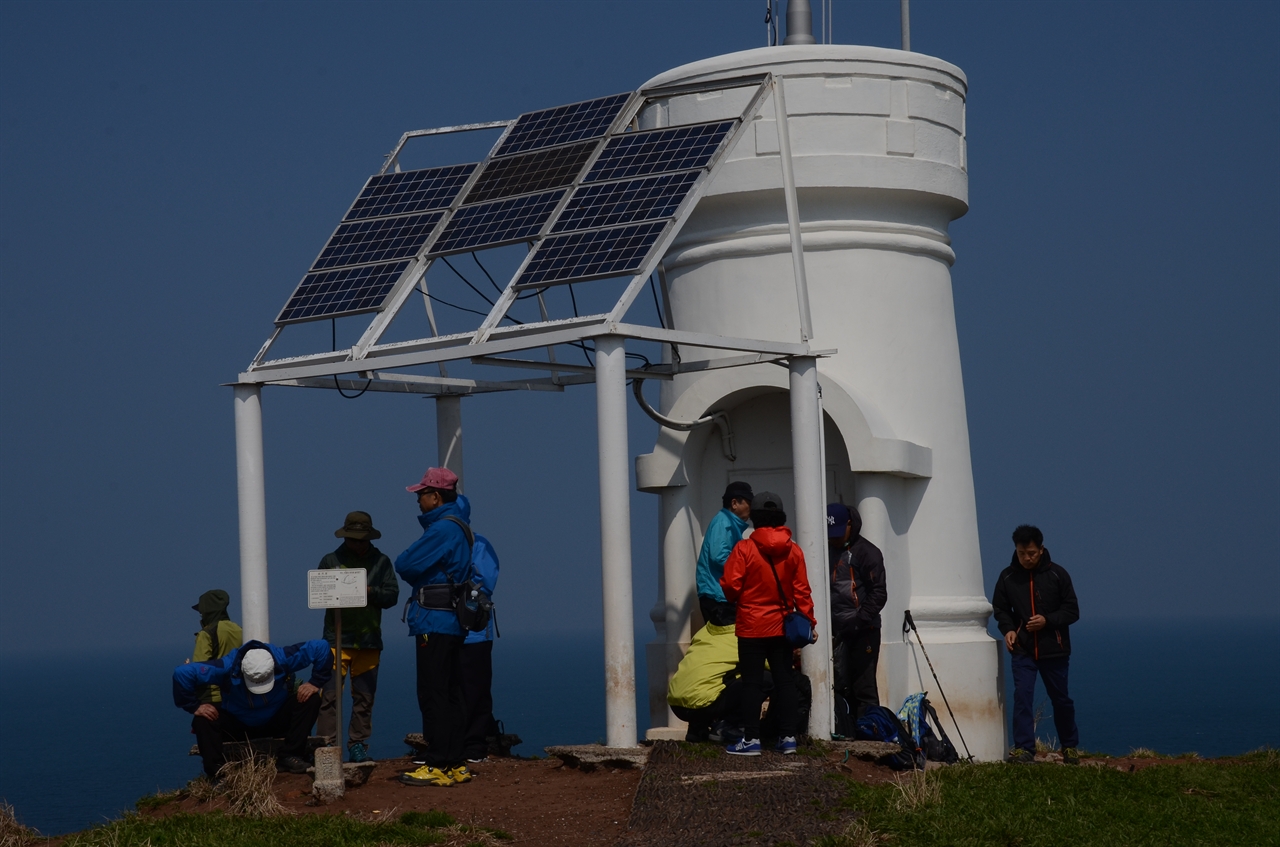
(858, 593)
(1035, 604)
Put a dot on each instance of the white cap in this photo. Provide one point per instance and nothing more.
(259, 670)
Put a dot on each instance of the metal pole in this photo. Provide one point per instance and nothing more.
(252, 497)
(615, 542)
(809, 521)
(337, 675)
(793, 208)
(449, 433)
(906, 24)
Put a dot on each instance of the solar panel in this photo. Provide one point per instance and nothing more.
(378, 240)
(529, 172)
(659, 151)
(499, 222)
(562, 124)
(613, 203)
(585, 255)
(408, 192)
(341, 292)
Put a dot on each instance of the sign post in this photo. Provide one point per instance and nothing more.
(337, 588)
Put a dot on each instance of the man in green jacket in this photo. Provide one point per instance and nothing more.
(218, 636)
(361, 631)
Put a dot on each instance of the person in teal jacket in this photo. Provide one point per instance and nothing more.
(724, 531)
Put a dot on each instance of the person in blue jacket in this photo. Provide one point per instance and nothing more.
(724, 531)
(441, 556)
(258, 700)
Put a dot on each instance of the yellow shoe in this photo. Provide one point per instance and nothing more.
(460, 774)
(427, 775)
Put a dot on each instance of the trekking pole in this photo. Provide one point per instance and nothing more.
(908, 623)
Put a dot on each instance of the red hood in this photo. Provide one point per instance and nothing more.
(772, 541)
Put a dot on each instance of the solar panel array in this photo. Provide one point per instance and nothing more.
(607, 228)
(563, 124)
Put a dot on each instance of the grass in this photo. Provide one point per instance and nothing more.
(1181, 803)
(216, 829)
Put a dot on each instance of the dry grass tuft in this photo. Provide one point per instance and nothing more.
(918, 789)
(860, 834)
(462, 835)
(1145, 753)
(12, 833)
(202, 790)
(249, 785)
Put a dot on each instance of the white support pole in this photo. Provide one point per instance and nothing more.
(615, 542)
(809, 520)
(449, 434)
(252, 494)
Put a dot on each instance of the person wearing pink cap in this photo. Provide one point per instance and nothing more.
(440, 556)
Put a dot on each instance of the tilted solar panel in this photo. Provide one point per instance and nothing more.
(613, 203)
(587, 255)
(529, 172)
(341, 292)
(377, 240)
(659, 151)
(499, 222)
(562, 124)
(409, 191)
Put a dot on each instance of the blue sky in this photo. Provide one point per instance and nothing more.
(170, 170)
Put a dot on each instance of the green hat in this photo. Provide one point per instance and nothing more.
(358, 526)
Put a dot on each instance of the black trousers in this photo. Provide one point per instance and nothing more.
(444, 715)
(727, 707)
(292, 722)
(785, 699)
(477, 695)
(858, 656)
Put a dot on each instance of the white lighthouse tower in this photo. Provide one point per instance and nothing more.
(878, 143)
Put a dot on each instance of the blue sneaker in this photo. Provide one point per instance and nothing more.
(745, 747)
(786, 745)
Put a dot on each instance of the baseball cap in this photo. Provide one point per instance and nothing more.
(259, 670)
(436, 478)
(739, 490)
(766, 501)
(837, 519)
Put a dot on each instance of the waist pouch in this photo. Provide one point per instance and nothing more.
(439, 597)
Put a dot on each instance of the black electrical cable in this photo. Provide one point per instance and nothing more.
(483, 296)
(333, 332)
(574, 300)
(656, 305)
(436, 299)
(476, 259)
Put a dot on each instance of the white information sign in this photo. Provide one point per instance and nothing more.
(337, 588)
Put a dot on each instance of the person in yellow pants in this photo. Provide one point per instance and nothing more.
(361, 632)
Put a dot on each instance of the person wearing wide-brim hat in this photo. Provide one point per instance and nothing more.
(361, 631)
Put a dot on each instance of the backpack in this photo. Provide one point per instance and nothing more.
(913, 715)
(471, 602)
(880, 724)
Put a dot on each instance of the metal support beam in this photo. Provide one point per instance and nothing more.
(793, 205)
(615, 542)
(906, 24)
(252, 494)
(449, 434)
(809, 520)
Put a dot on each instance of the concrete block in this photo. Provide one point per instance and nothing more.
(330, 783)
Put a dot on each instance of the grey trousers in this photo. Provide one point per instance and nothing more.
(363, 688)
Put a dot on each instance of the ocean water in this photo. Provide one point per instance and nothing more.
(85, 736)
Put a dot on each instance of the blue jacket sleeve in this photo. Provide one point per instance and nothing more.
(189, 679)
(717, 544)
(315, 653)
(442, 542)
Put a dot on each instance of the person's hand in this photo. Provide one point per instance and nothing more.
(1036, 623)
(305, 691)
(1010, 639)
(208, 711)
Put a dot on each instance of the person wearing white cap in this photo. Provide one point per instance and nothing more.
(258, 700)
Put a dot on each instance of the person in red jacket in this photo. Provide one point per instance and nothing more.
(765, 577)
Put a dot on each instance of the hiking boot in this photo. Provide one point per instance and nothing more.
(1070, 756)
(1021, 757)
(293, 764)
(427, 775)
(460, 774)
(744, 747)
(786, 745)
(357, 752)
